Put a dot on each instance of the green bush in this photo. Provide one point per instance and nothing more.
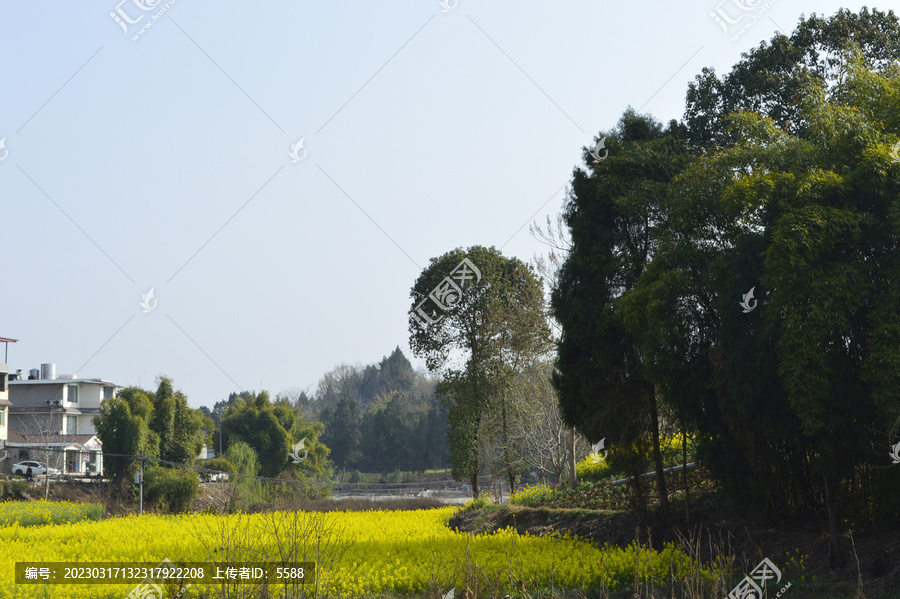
(12, 489)
(170, 490)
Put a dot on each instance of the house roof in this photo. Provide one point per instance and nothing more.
(19, 438)
(58, 381)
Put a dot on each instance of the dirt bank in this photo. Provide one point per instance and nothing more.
(800, 550)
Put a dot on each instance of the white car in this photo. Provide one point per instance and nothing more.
(36, 469)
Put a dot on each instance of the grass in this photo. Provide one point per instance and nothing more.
(40, 513)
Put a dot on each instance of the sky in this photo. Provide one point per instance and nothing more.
(166, 158)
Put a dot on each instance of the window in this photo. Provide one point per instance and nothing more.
(2, 414)
(71, 425)
(73, 393)
(107, 392)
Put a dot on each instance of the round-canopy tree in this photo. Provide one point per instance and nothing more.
(476, 315)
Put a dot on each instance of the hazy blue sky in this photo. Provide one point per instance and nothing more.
(163, 162)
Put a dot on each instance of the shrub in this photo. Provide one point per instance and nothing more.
(170, 490)
(532, 496)
(589, 469)
(484, 499)
(12, 489)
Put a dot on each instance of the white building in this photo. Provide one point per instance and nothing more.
(4, 393)
(45, 403)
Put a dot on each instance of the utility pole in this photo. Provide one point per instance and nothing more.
(141, 484)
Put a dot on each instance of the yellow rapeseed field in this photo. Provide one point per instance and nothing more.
(404, 552)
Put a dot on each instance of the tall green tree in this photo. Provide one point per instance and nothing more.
(188, 437)
(177, 425)
(162, 420)
(120, 432)
(615, 214)
(486, 323)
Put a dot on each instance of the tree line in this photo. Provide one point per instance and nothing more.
(382, 417)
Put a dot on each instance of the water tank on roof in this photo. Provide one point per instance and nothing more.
(34, 374)
(48, 372)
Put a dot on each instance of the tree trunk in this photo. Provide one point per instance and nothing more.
(639, 498)
(657, 458)
(571, 452)
(687, 489)
(835, 551)
(47, 476)
(476, 466)
(510, 475)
